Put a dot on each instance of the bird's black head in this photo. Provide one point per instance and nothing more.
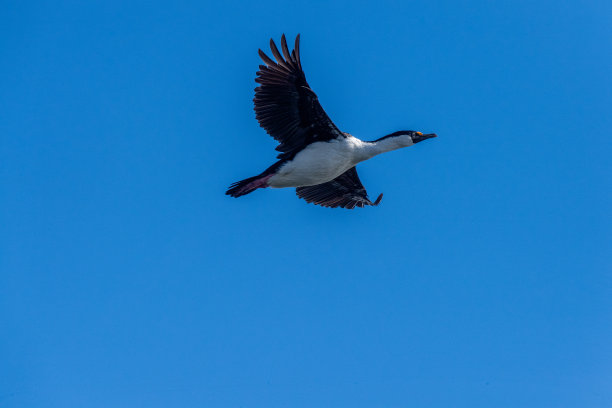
(419, 137)
(411, 136)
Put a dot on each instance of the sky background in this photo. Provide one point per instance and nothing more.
(128, 278)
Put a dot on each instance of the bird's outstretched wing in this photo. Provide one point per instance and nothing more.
(344, 191)
(285, 106)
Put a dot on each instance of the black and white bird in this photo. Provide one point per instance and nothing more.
(316, 157)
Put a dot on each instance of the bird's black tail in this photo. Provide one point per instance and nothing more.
(247, 186)
(251, 184)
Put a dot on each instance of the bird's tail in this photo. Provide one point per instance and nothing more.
(247, 186)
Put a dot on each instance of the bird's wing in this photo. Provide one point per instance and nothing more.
(344, 191)
(285, 106)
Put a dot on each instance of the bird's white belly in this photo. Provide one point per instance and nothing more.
(318, 163)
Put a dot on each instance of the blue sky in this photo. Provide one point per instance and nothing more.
(127, 277)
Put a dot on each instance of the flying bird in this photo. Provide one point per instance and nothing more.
(315, 156)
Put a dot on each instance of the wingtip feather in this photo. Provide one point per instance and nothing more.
(285, 50)
(277, 55)
(296, 48)
(265, 58)
(378, 200)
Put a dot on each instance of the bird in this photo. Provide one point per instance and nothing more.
(316, 158)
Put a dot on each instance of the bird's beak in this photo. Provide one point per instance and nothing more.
(420, 138)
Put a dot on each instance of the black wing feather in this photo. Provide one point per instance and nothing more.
(344, 191)
(285, 106)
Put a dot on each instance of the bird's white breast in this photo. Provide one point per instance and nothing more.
(318, 163)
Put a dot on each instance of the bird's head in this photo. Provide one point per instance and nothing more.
(409, 137)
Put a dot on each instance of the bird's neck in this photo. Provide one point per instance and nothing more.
(370, 149)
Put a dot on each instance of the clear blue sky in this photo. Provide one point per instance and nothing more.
(128, 279)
